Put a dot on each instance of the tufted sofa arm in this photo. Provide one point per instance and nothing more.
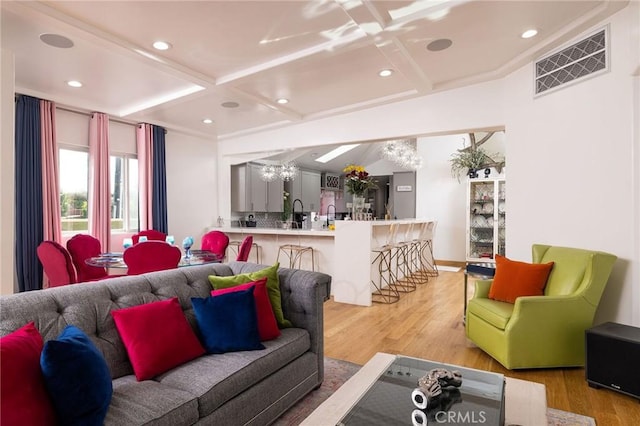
(303, 294)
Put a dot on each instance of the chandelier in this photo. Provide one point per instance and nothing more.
(402, 153)
(285, 171)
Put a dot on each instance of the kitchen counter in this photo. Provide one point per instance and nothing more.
(344, 253)
(269, 241)
(275, 231)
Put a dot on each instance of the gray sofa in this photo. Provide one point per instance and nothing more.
(251, 387)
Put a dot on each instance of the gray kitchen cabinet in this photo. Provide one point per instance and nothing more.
(249, 193)
(275, 202)
(306, 188)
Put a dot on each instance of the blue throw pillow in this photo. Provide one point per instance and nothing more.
(228, 322)
(77, 378)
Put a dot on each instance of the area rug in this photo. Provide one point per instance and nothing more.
(336, 372)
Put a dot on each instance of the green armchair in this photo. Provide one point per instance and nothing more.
(543, 331)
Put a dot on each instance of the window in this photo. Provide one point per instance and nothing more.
(123, 170)
(74, 183)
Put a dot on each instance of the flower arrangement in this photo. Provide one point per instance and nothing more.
(357, 180)
(286, 206)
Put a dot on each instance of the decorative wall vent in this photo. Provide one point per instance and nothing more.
(584, 58)
(330, 181)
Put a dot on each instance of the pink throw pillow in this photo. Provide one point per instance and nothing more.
(267, 324)
(157, 337)
(23, 396)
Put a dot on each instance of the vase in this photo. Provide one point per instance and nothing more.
(357, 207)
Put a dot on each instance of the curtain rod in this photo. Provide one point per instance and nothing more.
(88, 114)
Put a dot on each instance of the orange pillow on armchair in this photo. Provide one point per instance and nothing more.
(514, 279)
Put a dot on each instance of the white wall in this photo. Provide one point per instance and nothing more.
(192, 197)
(572, 156)
(441, 197)
(7, 197)
(577, 148)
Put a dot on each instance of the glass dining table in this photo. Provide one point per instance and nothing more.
(114, 259)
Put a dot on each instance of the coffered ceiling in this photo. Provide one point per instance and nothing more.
(323, 56)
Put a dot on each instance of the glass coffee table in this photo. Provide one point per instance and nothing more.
(380, 394)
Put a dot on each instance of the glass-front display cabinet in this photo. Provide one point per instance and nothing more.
(486, 216)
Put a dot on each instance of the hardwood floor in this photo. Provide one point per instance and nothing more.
(428, 324)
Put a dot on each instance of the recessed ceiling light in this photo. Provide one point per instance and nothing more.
(161, 45)
(207, 121)
(282, 101)
(74, 83)
(529, 33)
(230, 104)
(440, 44)
(385, 73)
(56, 40)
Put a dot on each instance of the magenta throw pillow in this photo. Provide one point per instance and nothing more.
(23, 396)
(157, 337)
(267, 324)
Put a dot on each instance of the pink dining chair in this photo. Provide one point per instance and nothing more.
(81, 247)
(57, 264)
(245, 249)
(216, 242)
(151, 256)
(151, 234)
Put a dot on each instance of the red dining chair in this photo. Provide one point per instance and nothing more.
(216, 242)
(245, 249)
(151, 234)
(151, 256)
(81, 247)
(57, 264)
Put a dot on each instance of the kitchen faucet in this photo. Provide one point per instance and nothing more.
(293, 212)
(334, 213)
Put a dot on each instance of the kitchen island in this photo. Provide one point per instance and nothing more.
(344, 253)
(354, 270)
(270, 239)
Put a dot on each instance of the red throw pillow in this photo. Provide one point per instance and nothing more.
(267, 324)
(23, 396)
(157, 337)
(514, 279)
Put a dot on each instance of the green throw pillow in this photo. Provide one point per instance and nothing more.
(273, 288)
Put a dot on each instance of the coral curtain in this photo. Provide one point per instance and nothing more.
(159, 172)
(144, 136)
(50, 184)
(28, 195)
(99, 191)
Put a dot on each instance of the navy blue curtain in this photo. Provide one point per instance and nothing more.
(159, 185)
(28, 185)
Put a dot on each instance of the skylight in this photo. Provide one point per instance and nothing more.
(336, 153)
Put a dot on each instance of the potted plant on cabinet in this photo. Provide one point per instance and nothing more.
(468, 162)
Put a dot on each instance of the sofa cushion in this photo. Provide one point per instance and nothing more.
(150, 403)
(515, 279)
(228, 323)
(267, 324)
(23, 397)
(215, 379)
(77, 378)
(492, 311)
(157, 337)
(273, 287)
